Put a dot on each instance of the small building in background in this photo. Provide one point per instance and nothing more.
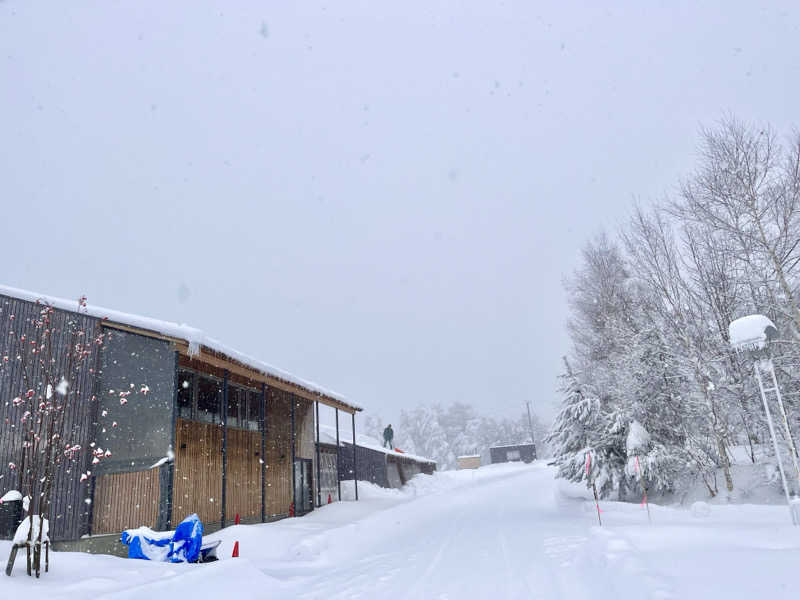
(512, 453)
(472, 461)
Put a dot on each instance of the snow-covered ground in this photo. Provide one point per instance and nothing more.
(505, 531)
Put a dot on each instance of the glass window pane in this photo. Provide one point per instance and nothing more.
(253, 410)
(234, 402)
(209, 394)
(185, 394)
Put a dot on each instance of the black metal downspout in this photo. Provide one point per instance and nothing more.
(169, 485)
(319, 467)
(294, 474)
(263, 425)
(338, 450)
(224, 444)
(95, 413)
(355, 460)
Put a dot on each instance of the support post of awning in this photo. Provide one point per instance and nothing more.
(293, 400)
(319, 466)
(224, 444)
(355, 460)
(338, 451)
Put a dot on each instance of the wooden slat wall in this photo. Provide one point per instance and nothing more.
(197, 485)
(198, 467)
(279, 453)
(126, 500)
(243, 492)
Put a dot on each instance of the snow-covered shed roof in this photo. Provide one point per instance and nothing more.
(327, 435)
(512, 445)
(195, 339)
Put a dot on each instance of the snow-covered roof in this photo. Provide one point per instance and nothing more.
(469, 456)
(327, 435)
(513, 445)
(195, 338)
(751, 332)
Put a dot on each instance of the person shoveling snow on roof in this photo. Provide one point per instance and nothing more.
(388, 437)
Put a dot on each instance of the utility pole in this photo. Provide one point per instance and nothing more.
(530, 424)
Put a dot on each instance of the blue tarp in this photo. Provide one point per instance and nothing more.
(181, 546)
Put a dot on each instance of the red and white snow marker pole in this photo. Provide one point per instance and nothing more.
(594, 488)
(236, 520)
(644, 490)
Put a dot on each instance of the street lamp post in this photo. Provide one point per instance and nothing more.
(752, 334)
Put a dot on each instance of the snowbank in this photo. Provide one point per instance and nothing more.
(499, 531)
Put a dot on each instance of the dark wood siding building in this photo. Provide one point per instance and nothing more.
(216, 433)
(513, 452)
(386, 469)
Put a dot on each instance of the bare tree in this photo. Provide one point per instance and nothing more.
(57, 355)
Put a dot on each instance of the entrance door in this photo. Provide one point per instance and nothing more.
(303, 486)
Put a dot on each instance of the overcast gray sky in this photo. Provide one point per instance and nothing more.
(380, 198)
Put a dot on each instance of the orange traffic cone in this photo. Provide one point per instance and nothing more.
(236, 520)
(329, 499)
(235, 550)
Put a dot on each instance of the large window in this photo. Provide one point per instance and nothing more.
(209, 400)
(185, 394)
(237, 398)
(253, 411)
(200, 399)
(243, 408)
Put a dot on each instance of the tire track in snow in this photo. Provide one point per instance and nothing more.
(456, 526)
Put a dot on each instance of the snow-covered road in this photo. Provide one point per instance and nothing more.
(506, 531)
(501, 539)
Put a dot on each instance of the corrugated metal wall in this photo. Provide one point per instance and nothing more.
(371, 465)
(69, 511)
(500, 454)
